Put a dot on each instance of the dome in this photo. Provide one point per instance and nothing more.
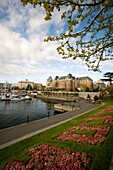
(69, 76)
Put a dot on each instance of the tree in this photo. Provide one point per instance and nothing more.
(87, 89)
(29, 87)
(15, 88)
(88, 97)
(88, 29)
(96, 98)
(110, 90)
(109, 78)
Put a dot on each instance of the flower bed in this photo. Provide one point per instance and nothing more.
(97, 138)
(103, 111)
(108, 119)
(45, 157)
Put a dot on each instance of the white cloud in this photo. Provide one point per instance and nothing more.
(108, 64)
(23, 53)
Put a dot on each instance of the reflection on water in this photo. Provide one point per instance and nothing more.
(16, 112)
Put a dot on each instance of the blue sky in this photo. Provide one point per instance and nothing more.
(24, 54)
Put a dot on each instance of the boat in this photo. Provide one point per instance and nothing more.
(5, 98)
(28, 98)
(20, 98)
(15, 98)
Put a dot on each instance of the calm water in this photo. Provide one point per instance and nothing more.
(16, 112)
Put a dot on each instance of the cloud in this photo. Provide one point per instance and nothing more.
(23, 52)
(20, 54)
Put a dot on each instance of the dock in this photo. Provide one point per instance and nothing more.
(65, 108)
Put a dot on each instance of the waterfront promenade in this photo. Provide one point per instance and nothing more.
(17, 133)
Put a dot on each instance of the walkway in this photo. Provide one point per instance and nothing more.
(15, 134)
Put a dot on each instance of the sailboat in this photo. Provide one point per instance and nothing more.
(15, 97)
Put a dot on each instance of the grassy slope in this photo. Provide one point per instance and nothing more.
(102, 154)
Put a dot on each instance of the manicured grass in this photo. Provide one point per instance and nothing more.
(101, 154)
(83, 132)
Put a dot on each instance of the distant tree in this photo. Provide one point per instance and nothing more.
(96, 98)
(87, 89)
(109, 78)
(15, 88)
(88, 98)
(29, 87)
(88, 30)
(96, 89)
(71, 90)
(110, 89)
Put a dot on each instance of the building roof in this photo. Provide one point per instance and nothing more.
(84, 78)
(25, 82)
(49, 79)
(69, 76)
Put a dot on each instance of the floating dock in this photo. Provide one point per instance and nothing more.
(65, 107)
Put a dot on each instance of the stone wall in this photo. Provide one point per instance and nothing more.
(85, 94)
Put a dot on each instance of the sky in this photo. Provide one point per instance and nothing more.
(25, 55)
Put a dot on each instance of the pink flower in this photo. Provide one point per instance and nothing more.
(97, 138)
(62, 159)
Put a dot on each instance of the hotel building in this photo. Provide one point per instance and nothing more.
(69, 83)
(66, 83)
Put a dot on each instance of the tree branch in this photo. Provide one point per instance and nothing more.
(86, 4)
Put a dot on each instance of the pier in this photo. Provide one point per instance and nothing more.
(66, 107)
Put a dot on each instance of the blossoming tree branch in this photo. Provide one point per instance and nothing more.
(87, 32)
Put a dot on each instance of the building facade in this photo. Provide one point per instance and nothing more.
(69, 83)
(39, 87)
(29, 85)
(66, 83)
(25, 84)
(5, 87)
(84, 83)
(100, 85)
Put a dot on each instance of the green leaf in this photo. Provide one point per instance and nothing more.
(63, 15)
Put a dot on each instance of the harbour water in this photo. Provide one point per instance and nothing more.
(16, 112)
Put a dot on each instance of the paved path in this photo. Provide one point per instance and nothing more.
(14, 134)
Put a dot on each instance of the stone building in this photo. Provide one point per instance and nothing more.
(5, 87)
(29, 85)
(100, 85)
(24, 84)
(39, 87)
(66, 83)
(69, 83)
(84, 82)
(1, 87)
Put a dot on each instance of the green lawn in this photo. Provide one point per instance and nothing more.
(101, 153)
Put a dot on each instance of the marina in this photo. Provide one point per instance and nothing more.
(17, 133)
(16, 112)
(14, 97)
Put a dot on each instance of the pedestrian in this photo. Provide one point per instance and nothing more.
(27, 118)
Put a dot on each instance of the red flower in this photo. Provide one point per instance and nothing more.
(62, 159)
